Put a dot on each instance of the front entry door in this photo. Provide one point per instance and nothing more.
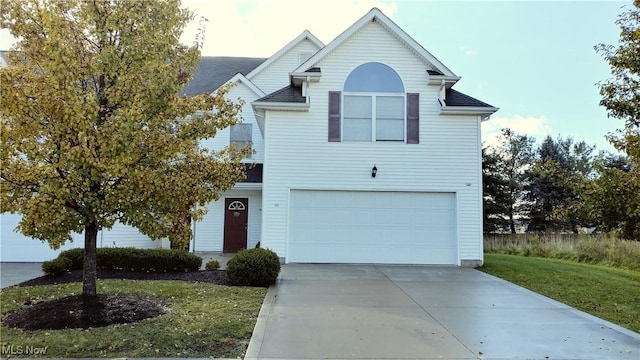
(235, 224)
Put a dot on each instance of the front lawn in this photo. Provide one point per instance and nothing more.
(609, 293)
(203, 320)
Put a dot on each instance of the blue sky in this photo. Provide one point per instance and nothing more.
(534, 60)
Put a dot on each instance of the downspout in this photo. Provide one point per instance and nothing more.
(305, 89)
(193, 237)
(441, 92)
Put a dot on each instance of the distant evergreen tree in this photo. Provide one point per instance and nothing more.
(495, 194)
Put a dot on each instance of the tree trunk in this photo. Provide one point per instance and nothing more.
(512, 223)
(89, 271)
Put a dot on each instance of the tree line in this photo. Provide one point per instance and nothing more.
(562, 185)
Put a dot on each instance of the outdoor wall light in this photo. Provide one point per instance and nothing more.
(374, 171)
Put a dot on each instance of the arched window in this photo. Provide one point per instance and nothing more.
(373, 104)
(374, 77)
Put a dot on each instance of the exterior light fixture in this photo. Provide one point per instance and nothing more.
(374, 171)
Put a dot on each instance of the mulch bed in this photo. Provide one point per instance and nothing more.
(79, 312)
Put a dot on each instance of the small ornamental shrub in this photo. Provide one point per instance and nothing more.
(253, 267)
(132, 259)
(212, 265)
(56, 266)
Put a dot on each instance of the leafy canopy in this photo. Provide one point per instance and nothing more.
(93, 129)
(616, 195)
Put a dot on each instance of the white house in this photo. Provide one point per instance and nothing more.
(364, 153)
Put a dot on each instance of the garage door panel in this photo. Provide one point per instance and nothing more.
(372, 227)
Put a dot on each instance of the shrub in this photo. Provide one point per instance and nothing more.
(212, 265)
(76, 256)
(132, 259)
(253, 267)
(56, 266)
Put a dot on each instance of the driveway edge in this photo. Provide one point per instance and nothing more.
(255, 344)
(569, 308)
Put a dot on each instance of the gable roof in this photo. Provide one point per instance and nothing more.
(214, 71)
(372, 16)
(239, 78)
(306, 35)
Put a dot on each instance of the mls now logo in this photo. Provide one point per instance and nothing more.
(23, 350)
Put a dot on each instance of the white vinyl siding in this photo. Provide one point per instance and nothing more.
(298, 156)
(127, 236)
(209, 233)
(222, 138)
(15, 247)
(276, 76)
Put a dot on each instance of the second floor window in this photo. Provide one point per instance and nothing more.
(241, 135)
(373, 104)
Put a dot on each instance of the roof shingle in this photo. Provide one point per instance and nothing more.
(214, 71)
(456, 98)
(288, 94)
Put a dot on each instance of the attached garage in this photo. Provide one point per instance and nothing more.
(372, 227)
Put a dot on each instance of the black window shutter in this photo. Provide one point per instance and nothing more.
(334, 116)
(413, 118)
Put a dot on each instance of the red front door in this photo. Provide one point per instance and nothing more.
(235, 224)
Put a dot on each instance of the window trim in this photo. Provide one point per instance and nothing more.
(374, 121)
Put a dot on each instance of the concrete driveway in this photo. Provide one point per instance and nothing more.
(15, 273)
(420, 312)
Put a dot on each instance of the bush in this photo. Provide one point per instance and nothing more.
(56, 266)
(253, 267)
(76, 256)
(132, 259)
(212, 265)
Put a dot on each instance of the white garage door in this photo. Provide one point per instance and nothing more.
(372, 227)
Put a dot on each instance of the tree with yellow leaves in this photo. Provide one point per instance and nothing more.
(93, 129)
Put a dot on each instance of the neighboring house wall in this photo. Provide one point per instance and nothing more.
(299, 156)
(276, 75)
(209, 233)
(127, 236)
(17, 247)
(222, 138)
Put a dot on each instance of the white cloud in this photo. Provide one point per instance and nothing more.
(261, 28)
(537, 127)
(468, 52)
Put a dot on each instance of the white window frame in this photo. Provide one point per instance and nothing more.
(373, 96)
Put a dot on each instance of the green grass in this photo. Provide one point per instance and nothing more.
(609, 293)
(204, 320)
